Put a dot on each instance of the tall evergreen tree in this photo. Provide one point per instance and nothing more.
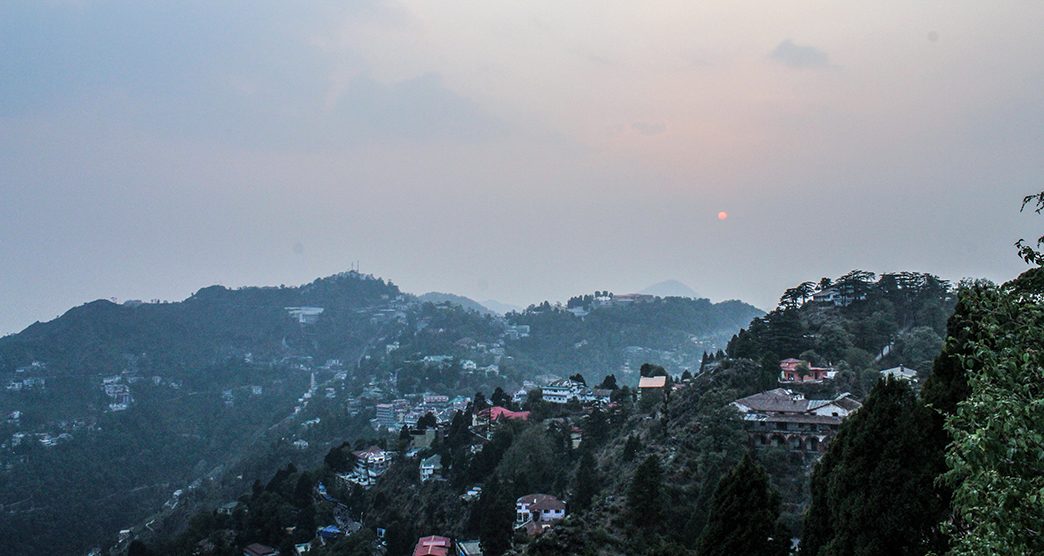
(497, 509)
(645, 496)
(744, 516)
(631, 447)
(587, 482)
(874, 490)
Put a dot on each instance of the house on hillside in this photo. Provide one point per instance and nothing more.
(304, 315)
(838, 296)
(900, 373)
(781, 417)
(433, 545)
(430, 467)
(538, 512)
(469, 548)
(630, 298)
(561, 391)
(651, 385)
(797, 370)
(370, 464)
(258, 549)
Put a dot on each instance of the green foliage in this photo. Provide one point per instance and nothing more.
(872, 314)
(631, 448)
(874, 491)
(587, 482)
(496, 508)
(645, 502)
(559, 342)
(996, 460)
(744, 516)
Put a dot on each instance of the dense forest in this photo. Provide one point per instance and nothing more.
(672, 331)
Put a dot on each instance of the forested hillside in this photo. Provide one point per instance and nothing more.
(672, 331)
(220, 386)
(641, 475)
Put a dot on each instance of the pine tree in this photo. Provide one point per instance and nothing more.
(497, 516)
(596, 429)
(631, 447)
(874, 490)
(744, 516)
(587, 482)
(645, 496)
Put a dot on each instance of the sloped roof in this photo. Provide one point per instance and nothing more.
(777, 400)
(496, 412)
(369, 452)
(438, 546)
(781, 400)
(541, 502)
(652, 382)
(258, 549)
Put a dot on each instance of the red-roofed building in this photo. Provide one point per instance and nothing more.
(537, 512)
(651, 385)
(796, 370)
(496, 413)
(433, 545)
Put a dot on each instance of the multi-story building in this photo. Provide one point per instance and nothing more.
(785, 418)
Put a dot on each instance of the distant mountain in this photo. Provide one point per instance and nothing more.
(501, 308)
(670, 288)
(465, 302)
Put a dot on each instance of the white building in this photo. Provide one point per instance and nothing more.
(561, 391)
(900, 373)
(430, 467)
(305, 315)
(538, 508)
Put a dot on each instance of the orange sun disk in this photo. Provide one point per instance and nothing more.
(723, 215)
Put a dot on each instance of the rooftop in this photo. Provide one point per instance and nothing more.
(652, 382)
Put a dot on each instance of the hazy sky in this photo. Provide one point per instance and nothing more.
(519, 151)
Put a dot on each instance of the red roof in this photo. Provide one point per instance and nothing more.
(439, 546)
(497, 412)
(652, 382)
(541, 502)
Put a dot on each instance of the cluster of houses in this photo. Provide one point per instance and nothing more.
(785, 418)
(799, 371)
(30, 383)
(24, 382)
(534, 514)
(435, 545)
(395, 414)
(119, 394)
(565, 390)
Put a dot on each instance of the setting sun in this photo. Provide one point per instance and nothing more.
(723, 215)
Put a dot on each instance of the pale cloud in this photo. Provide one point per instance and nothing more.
(796, 55)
